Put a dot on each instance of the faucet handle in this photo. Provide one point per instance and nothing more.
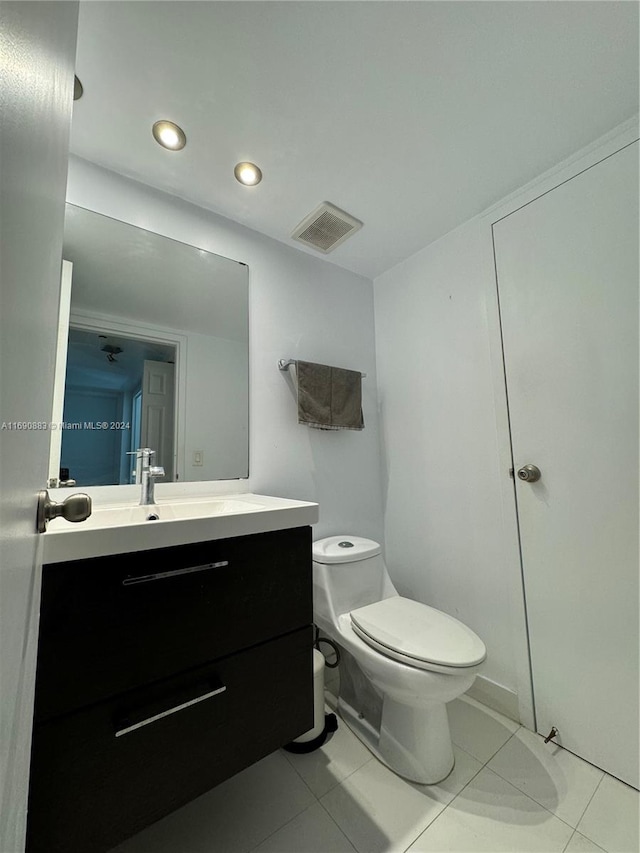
(144, 457)
(156, 471)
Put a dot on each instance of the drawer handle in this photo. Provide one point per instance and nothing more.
(158, 576)
(167, 713)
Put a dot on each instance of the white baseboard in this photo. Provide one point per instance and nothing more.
(483, 690)
(495, 696)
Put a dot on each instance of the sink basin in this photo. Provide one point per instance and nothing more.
(207, 508)
(114, 516)
(117, 516)
(130, 527)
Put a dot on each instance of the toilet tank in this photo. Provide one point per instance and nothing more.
(348, 572)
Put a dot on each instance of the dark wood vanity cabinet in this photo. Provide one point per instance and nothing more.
(160, 674)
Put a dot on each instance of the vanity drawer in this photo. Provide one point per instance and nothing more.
(96, 779)
(110, 624)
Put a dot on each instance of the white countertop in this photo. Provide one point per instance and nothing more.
(122, 528)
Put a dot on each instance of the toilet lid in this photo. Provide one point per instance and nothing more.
(419, 632)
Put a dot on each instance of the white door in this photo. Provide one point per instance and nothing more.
(158, 389)
(38, 52)
(567, 270)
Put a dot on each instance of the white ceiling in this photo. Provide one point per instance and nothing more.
(88, 365)
(411, 116)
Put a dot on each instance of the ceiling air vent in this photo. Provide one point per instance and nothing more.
(326, 228)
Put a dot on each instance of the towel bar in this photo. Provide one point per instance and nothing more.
(285, 364)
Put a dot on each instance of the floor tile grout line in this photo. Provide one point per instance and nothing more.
(564, 849)
(334, 786)
(602, 778)
(318, 800)
(574, 829)
(484, 765)
(582, 814)
(512, 735)
(286, 823)
(300, 776)
(297, 814)
(542, 805)
(343, 831)
(493, 755)
(533, 800)
(349, 775)
(338, 825)
(597, 788)
(575, 832)
(582, 835)
(446, 806)
(475, 757)
(427, 825)
(469, 781)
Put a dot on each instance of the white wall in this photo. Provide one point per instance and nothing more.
(216, 404)
(443, 525)
(37, 44)
(450, 523)
(300, 307)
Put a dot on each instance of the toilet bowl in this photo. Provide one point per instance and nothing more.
(402, 661)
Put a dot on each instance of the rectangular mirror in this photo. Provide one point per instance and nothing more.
(153, 351)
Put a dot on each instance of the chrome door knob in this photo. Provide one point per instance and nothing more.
(529, 474)
(75, 508)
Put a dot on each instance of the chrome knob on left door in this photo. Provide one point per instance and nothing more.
(529, 473)
(75, 508)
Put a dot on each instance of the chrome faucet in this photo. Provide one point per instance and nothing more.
(146, 474)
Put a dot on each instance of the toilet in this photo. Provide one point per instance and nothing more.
(401, 661)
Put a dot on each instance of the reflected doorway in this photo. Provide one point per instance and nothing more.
(119, 395)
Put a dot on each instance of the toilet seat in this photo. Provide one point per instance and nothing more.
(418, 635)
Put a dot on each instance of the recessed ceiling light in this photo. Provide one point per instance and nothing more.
(169, 135)
(248, 174)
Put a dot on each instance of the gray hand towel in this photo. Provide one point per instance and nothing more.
(329, 397)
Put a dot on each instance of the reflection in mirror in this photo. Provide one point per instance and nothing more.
(152, 352)
(128, 384)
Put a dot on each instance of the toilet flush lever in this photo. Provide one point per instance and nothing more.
(551, 735)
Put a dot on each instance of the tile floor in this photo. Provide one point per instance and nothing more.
(508, 792)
